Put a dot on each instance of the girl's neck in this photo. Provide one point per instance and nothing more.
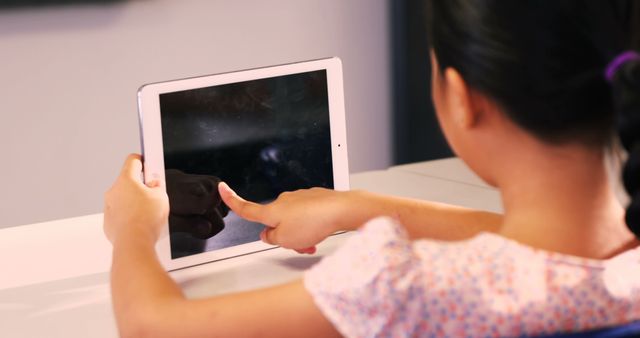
(562, 201)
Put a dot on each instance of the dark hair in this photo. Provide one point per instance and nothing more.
(544, 61)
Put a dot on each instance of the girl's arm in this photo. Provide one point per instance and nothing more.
(426, 219)
(148, 303)
(299, 220)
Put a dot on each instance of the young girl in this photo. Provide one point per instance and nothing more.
(529, 94)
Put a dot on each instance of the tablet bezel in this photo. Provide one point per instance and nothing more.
(152, 145)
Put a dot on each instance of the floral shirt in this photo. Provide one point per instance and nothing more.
(381, 284)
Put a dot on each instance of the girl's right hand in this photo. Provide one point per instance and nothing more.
(297, 220)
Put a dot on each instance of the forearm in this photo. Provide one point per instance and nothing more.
(423, 219)
(148, 303)
(141, 289)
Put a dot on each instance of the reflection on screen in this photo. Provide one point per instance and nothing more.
(262, 137)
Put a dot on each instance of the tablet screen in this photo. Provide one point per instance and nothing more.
(262, 137)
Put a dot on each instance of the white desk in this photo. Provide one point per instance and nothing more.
(448, 169)
(41, 297)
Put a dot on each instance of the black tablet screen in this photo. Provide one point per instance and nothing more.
(262, 137)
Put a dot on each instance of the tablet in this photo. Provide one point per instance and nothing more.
(263, 131)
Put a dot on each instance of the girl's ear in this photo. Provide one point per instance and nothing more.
(463, 108)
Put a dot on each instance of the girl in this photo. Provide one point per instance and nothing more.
(529, 94)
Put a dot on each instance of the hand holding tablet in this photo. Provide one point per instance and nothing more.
(264, 131)
(133, 209)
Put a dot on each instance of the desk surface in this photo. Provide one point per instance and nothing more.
(40, 296)
(451, 169)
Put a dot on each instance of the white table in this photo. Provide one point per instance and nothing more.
(55, 282)
(447, 169)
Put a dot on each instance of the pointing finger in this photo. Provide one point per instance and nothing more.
(248, 210)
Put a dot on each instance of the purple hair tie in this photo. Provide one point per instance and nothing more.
(620, 60)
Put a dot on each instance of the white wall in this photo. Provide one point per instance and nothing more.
(69, 75)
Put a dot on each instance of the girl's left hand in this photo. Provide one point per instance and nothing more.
(132, 208)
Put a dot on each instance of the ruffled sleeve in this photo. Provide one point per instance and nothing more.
(368, 286)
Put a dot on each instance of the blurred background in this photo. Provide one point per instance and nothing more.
(70, 70)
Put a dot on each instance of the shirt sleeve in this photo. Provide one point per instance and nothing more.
(372, 285)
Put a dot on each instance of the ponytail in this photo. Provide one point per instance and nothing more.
(625, 80)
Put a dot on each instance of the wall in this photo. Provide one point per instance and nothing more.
(69, 76)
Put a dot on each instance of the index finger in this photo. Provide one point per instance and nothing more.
(250, 211)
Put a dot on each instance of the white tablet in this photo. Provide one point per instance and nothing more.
(263, 131)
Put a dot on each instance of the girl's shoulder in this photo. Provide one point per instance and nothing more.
(386, 237)
(488, 283)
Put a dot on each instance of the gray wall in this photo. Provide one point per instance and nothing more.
(69, 75)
